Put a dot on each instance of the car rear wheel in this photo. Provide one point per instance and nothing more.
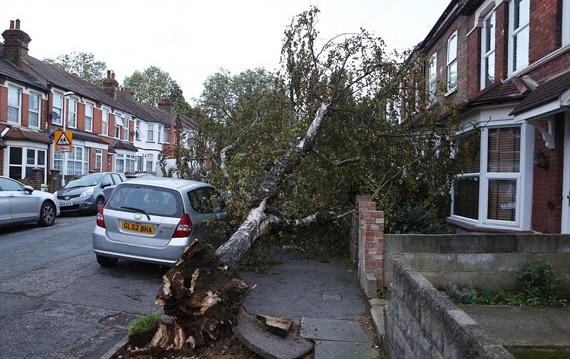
(47, 214)
(106, 261)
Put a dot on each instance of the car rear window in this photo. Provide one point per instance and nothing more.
(206, 200)
(152, 200)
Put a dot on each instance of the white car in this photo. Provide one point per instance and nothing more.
(22, 204)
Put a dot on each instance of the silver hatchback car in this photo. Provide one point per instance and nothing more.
(154, 219)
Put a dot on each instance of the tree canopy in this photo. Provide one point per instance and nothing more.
(83, 65)
(153, 84)
(366, 136)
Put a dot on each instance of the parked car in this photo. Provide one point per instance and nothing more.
(85, 194)
(154, 219)
(20, 203)
(139, 175)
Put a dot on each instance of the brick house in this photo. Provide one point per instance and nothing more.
(37, 98)
(506, 65)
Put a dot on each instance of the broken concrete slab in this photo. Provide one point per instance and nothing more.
(333, 329)
(255, 336)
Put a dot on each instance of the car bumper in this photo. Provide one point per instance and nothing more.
(78, 205)
(166, 255)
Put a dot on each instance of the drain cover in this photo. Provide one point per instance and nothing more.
(331, 297)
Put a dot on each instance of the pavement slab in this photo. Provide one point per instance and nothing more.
(325, 349)
(333, 329)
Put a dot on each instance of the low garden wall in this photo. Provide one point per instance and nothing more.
(476, 260)
(421, 322)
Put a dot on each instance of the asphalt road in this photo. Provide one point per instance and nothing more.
(57, 302)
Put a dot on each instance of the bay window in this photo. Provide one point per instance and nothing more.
(488, 189)
(23, 159)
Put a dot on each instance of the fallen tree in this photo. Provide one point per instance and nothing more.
(286, 155)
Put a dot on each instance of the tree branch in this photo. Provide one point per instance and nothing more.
(335, 163)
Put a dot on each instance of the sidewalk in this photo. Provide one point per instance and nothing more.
(324, 298)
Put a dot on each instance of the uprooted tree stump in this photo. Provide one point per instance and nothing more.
(201, 298)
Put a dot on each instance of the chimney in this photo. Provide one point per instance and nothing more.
(110, 85)
(16, 44)
(166, 104)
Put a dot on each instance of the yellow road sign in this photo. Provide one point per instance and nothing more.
(63, 141)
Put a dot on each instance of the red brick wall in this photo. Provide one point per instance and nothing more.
(552, 68)
(547, 195)
(24, 109)
(474, 60)
(3, 103)
(545, 28)
(501, 45)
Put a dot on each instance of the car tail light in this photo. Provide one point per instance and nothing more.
(100, 218)
(184, 227)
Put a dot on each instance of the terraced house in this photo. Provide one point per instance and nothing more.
(506, 65)
(110, 131)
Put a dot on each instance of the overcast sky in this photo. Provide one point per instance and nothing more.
(192, 40)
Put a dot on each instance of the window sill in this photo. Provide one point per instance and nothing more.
(450, 92)
(471, 225)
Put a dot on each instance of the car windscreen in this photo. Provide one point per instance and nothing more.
(146, 199)
(85, 181)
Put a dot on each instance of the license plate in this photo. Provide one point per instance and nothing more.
(137, 227)
(65, 203)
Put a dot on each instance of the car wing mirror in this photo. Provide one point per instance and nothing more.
(29, 189)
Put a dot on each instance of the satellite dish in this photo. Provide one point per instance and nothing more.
(54, 115)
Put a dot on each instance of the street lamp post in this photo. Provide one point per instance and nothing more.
(66, 95)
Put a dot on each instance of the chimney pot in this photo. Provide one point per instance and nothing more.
(11, 24)
(17, 24)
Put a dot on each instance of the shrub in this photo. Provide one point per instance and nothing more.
(539, 282)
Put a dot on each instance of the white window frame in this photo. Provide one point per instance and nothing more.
(432, 79)
(565, 22)
(150, 132)
(82, 159)
(99, 159)
(89, 116)
(14, 105)
(159, 133)
(522, 32)
(138, 130)
(57, 108)
(523, 186)
(34, 112)
(488, 46)
(149, 160)
(451, 65)
(118, 130)
(105, 121)
(24, 160)
(166, 135)
(126, 129)
(72, 112)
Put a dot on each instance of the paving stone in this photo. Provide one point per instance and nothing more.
(327, 349)
(333, 329)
